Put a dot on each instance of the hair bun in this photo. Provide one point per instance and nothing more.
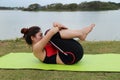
(24, 30)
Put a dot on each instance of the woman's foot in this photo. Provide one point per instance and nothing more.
(86, 31)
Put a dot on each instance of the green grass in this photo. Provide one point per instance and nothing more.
(93, 47)
(18, 45)
(56, 75)
(100, 47)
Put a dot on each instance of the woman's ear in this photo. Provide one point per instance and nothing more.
(32, 38)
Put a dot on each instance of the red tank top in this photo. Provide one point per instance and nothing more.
(50, 50)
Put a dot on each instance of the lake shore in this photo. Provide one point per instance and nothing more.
(90, 47)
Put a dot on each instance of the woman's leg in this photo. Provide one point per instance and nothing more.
(68, 45)
(81, 34)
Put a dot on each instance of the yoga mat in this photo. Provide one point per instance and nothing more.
(99, 62)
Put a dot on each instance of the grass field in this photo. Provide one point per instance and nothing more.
(93, 47)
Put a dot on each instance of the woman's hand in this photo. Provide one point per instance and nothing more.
(60, 26)
(54, 30)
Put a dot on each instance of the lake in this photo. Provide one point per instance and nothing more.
(107, 22)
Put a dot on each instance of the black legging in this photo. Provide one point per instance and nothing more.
(68, 45)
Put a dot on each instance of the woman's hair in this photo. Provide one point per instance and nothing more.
(28, 32)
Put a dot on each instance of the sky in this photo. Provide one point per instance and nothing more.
(26, 3)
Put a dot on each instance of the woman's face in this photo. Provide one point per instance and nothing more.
(37, 37)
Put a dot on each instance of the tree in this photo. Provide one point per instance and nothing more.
(58, 6)
(34, 7)
(73, 6)
(98, 5)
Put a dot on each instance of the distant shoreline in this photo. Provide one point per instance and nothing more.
(83, 6)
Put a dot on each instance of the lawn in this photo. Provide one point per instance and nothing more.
(90, 47)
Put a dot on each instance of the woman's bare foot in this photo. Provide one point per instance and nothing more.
(86, 31)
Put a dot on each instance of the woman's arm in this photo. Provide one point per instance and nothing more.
(39, 46)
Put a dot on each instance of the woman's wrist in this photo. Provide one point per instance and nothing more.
(54, 30)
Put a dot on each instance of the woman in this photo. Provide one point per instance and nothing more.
(59, 39)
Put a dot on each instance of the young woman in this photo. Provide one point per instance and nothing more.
(58, 45)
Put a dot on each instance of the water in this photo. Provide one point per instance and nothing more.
(107, 22)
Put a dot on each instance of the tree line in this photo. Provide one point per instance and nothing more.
(11, 8)
(5, 8)
(84, 6)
